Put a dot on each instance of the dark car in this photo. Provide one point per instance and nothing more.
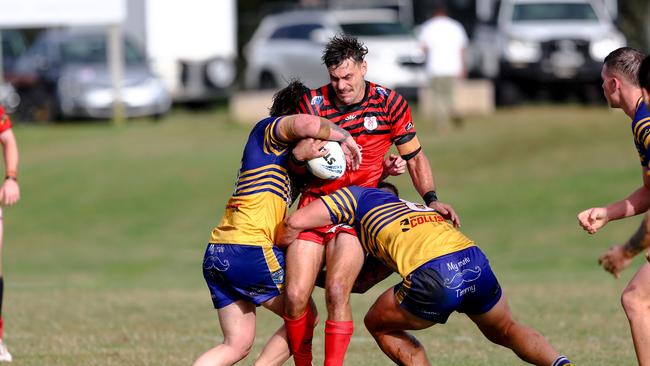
(65, 73)
(13, 46)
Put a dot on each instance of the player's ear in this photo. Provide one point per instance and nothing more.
(364, 68)
(617, 83)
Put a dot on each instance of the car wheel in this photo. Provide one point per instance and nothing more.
(267, 80)
(507, 93)
(592, 94)
(37, 105)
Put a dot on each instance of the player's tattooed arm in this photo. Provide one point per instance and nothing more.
(640, 240)
(372, 272)
(299, 126)
(336, 133)
(331, 131)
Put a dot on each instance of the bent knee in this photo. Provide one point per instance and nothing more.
(635, 300)
(337, 293)
(373, 323)
(502, 333)
(296, 301)
(239, 346)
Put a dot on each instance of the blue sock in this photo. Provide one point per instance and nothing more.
(561, 361)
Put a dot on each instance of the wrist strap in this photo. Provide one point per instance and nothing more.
(430, 197)
(11, 177)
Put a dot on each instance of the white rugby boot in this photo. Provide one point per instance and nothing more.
(5, 356)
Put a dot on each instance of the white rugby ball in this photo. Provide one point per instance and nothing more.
(332, 165)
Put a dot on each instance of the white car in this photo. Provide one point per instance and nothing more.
(290, 45)
(533, 45)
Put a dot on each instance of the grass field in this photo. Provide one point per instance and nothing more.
(103, 252)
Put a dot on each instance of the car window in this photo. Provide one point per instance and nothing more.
(296, 31)
(553, 11)
(375, 29)
(93, 50)
(13, 43)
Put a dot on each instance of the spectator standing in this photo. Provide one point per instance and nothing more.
(444, 41)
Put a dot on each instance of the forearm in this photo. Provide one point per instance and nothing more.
(421, 174)
(10, 153)
(329, 131)
(305, 125)
(636, 203)
(640, 240)
(384, 175)
(286, 235)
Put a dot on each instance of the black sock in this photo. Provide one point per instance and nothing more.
(2, 290)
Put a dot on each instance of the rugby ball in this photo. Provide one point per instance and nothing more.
(332, 165)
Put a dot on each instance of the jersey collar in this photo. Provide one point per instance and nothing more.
(351, 107)
(638, 104)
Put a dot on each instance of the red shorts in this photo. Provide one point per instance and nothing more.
(325, 234)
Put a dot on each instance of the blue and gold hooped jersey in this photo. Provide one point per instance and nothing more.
(262, 190)
(641, 131)
(403, 235)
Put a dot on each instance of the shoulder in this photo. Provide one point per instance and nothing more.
(380, 92)
(426, 26)
(641, 123)
(261, 124)
(316, 98)
(267, 129)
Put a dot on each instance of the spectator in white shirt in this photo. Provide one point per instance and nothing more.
(444, 40)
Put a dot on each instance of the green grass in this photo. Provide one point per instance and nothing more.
(103, 252)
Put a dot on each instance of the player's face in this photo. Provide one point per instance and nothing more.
(609, 88)
(348, 81)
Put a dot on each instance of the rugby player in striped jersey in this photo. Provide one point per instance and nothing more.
(377, 118)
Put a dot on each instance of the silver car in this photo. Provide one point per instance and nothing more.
(290, 45)
(65, 74)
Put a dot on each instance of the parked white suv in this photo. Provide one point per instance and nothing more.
(533, 45)
(291, 44)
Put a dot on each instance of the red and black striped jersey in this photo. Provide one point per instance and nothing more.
(5, 122)
(381, 118)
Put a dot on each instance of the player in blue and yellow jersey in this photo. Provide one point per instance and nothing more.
(443, 271)
(242, 267)
(625, 74)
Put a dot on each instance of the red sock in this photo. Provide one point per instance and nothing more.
(1, 326)
(337, 339)
(300, 332)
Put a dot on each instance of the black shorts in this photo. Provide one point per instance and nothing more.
(461, 281)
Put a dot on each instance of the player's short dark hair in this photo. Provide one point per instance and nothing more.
(439, 7)
(286, 100)
(644, 74)
(341, 48)
(383, 185)
(625, 61)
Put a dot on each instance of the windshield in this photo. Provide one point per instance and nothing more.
(13, 44)
(553, 11)
(88, 50)
(375, 29)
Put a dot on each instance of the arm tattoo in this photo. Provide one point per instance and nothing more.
(324, 129)
(341, 133)
(638, 241)
(330, 131)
